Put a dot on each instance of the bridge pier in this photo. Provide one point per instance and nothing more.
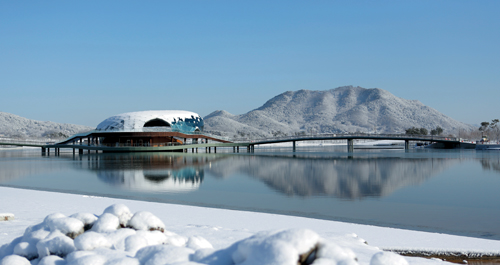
(294, 146)
(407, 144)
(237, 149)
(43, 151)
(80, 151)
(350, 145)
(234, 149)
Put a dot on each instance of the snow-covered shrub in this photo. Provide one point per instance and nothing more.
(87, 219)
(121, 211)
(56, 243)
(106, 223)
(146, 221)
(91, 240)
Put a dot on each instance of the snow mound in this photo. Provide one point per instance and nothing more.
(91, 240)
(106, 223)
(145, 241)
(87, 219)
(146, 221)
(14, 260)
(121, 211)
(388, 258)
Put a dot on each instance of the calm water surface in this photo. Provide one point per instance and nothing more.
(452, 191)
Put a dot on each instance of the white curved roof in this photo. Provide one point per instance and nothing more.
(134, 121)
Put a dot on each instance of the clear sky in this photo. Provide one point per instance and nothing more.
(83, 61)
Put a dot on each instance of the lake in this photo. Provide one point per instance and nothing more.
(448, 191)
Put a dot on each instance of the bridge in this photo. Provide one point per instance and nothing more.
(84, 142)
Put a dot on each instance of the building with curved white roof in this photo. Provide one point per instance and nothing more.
(153, 120)
(143, 131)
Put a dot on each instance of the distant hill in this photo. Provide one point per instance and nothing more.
(18, 127)
(339, 110)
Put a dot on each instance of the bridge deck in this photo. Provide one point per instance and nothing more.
(224, 143)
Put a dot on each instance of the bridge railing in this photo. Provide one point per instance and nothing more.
(26, 142)
(361, 135)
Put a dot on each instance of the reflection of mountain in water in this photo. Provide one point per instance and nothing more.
(157, 172)
(344, 178)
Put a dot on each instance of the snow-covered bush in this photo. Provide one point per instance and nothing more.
(118, 237)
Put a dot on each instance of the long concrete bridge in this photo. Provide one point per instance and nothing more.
(77, 142)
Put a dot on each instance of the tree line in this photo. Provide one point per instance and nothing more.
(423, 131)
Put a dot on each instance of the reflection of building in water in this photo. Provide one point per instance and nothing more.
(150, 172)
(340, 177)
(182, 180)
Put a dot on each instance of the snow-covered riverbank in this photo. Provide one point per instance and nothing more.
(222, 227)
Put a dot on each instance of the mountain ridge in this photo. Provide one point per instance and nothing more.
(15, 126)
(339, 110)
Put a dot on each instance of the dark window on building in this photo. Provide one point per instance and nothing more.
(156, 123)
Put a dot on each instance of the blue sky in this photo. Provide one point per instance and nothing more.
(83, 61)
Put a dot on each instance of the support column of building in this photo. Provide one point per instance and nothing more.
(252, 148)
(43, 151)
(215, 149)
(88, 144)
(209, 150)
(237, 149)
(234, 149)
(192, 150)
(206, 149)
(196, 149)
(350, 145)
(294, 146)
(407, 144)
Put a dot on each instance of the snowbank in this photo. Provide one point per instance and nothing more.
(206, 233)
(118, 237)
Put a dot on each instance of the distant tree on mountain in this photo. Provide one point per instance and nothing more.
(494, 130)
(416, 131)
(437, 131)
(490, 128)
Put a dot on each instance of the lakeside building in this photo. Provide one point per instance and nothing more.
(149, 128)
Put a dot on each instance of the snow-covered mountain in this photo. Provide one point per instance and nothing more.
(18, 127)
(339, 110)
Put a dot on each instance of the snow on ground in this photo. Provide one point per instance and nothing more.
(130, 231)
